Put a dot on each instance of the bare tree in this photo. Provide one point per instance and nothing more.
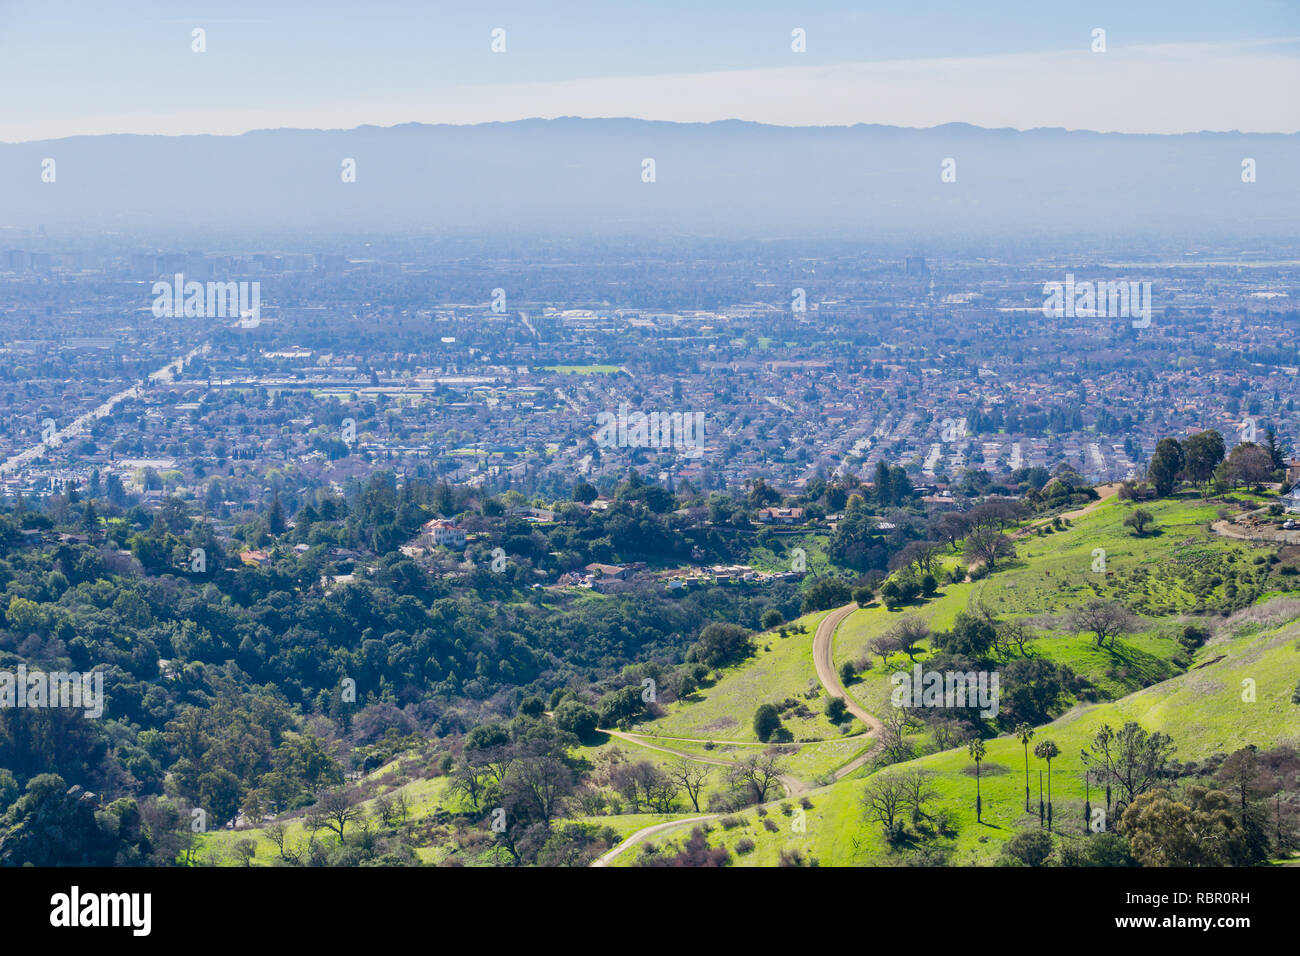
(496, 761)
(987, 544)
(761, 772)
(383, 809)
(1008, 632)
(1105, 620)
(246, 850)
(883, 800)
(884, 645)
(1132, 757)
(539, 785)
(276, 833)
(690, 776)
(922, 554)
(951, 527)
(893, 736)
(917, 789)
(995, 513)
(948, 733)
(908, 632)
(466, 780)
(1248, 464)
(335, 809)
(401, 806)
(644, 785)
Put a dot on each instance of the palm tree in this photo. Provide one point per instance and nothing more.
(1087, 800)
(1046, 750)
(977, 750)
(1042, 807)
(1024, 733)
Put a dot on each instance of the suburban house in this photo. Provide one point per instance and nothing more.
(608, 571)
(781, 515)
(442, 532)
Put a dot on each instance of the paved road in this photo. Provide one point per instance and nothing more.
(78, 425)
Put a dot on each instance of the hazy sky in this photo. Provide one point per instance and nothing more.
(96, 67)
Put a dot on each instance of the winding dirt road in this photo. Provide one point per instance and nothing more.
(1105, 493)
(640, 835)
(824, 661)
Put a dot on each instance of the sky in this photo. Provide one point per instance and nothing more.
(74, 68)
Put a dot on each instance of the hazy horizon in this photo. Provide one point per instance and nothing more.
(319, 66)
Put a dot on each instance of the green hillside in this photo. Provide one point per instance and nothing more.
(1179, 574)
(1176, 575)
(1202, 710)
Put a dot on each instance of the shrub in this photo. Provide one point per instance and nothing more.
(824, 595)
(795, 858)
(836, 709)
(720, 643)
(1028, 848)
(576, 718)
(766, 722)
(744, 845)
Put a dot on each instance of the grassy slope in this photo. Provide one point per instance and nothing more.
(1202, 709)
(781, 668)
(1053, 573)
(1050, 574)
(424, 795)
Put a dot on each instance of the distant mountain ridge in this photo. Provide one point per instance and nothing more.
(730, 178)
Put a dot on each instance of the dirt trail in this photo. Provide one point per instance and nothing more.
(793, 785)
(1271, 534)
(722, 742)
(640, 835)
(1105, 491)
(823, 659)
(641, 742)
